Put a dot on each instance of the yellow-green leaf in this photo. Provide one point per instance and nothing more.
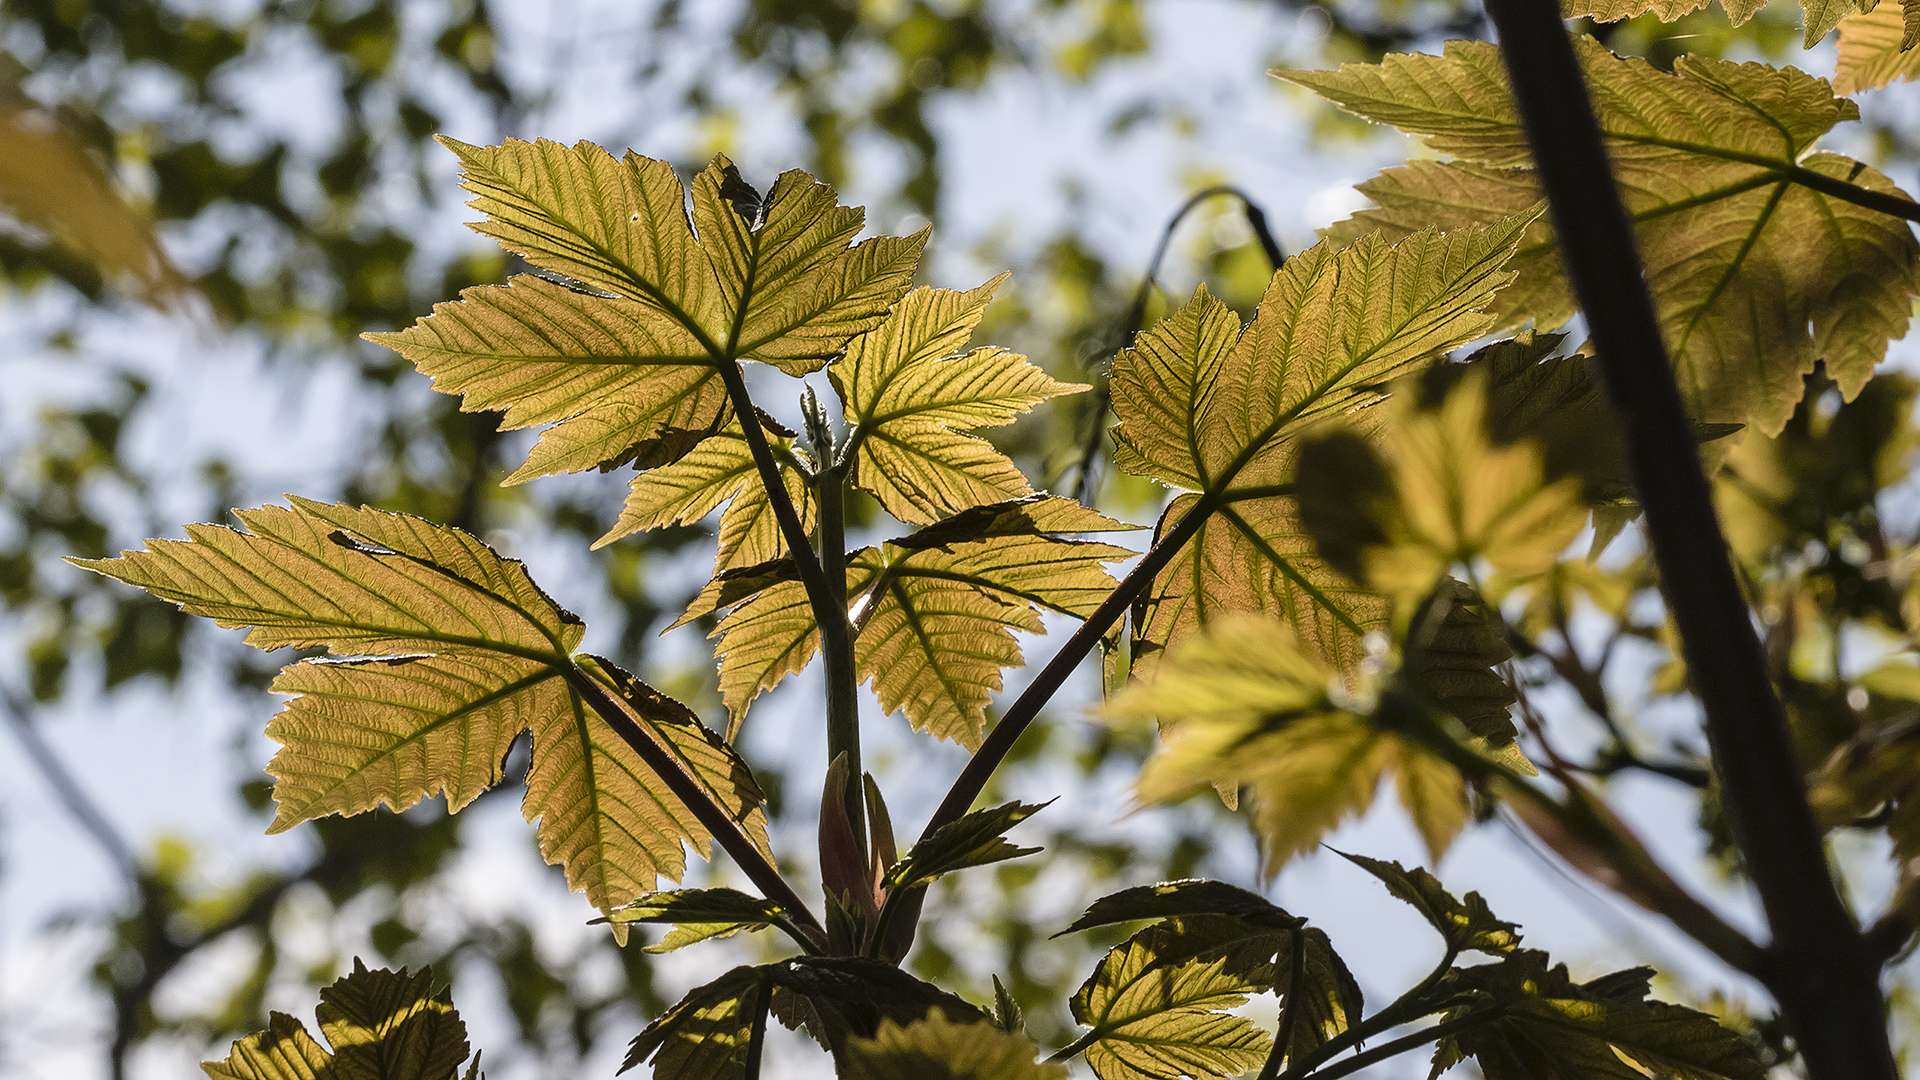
(1242, 704)
(935, 1048)
(934, 611)
(383, 1025)
(1158, 1003)
(705, 1036)
(912, 394)
(698, 914)
(1756, 275)
(455, 651)
(720, 470)
(1877, 47)
(632, 357)
(1205, 406)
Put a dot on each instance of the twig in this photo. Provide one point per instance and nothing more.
(1818, 966)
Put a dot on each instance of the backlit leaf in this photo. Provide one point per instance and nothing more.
(454, 651)
(719, 470)
(1466, 924)
(382, 1025)
(705, 1036)
(1158, 1003)
(1207, 407)
(1543, 1026)
(1755, 275)
(934, 611)
(1189, 897)
(975, 839)
(935, 1048)
(633, 358)
(1877, 47)
(698, 914)
(1241, 704)
(911, 398)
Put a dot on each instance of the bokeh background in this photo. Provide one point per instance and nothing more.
(281, 152)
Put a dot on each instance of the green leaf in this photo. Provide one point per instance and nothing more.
(1543, 1026)
(705, 1036)
(976, 839)
(721, 470)
(456, 651)
(382, 1025)
(936, 1049)
(911, 398)
(1242, 704)
(1877, 47)
(698, 914)
(386, 1025)
(1191, 896)
(842, 998)
(282, 1052)
(1756, 275)
(1455, 498)
(1453, 645)
(633, 358)
(934, 611)
(1207, 407)
(1466, 925)
(1157, 1004)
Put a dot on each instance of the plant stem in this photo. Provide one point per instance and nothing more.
(1855, 194)
(689, 790)
(1818, 966)
(1404, 1009)
(757, 1037)
(999, 741)
(836, 648)
(1289, 1014)
(1407, 1042)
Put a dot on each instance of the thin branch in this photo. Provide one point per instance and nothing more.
(836, 650)
(1136, 316)
(1407, 1042)
(688, 789)
(1818, 965)
(973, 779)
(81, 807)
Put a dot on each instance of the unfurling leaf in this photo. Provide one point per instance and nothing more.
(633, 358)
(698, 914)
(934, 611)
(974, 840)
(1756, 275)
(1877, 47)
(912, 398)
(936, 1049)
(382, 1025)
(452, 652)
(1207, 407)
(1241, 704)
(1466, 925)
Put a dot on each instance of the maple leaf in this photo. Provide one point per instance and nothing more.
(1756, 275)
(1207, 407)
(911, 399)
(382, 1025)
(1242, 704)
(720, 470)
(1877, 47)
(934, 611)
(1466, 925)
(449, 652)
(624, 356)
